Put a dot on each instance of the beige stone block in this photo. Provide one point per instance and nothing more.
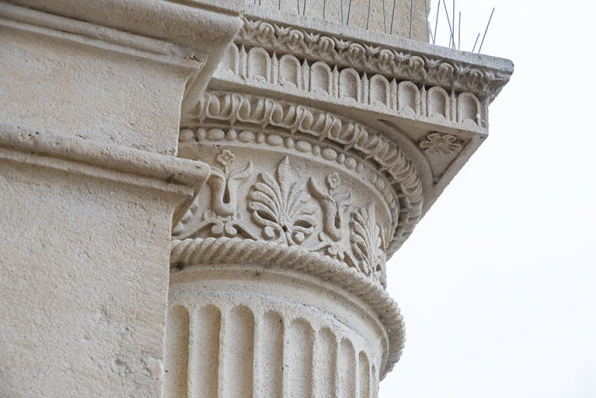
(88, 92)
(83, 265)
(82, 283)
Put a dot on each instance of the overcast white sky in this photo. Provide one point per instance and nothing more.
(498, 282)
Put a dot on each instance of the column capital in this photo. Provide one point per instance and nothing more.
(327, 145)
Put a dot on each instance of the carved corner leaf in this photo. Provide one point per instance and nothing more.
(367, 243)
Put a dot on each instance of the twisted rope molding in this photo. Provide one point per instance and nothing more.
(212, 251)
(387, 156)
(374, 58)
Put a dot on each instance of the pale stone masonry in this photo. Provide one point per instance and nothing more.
(200, 197)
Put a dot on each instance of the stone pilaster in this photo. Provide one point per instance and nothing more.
(91, 94)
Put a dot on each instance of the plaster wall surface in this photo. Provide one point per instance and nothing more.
(359, 16)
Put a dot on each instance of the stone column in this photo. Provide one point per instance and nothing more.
(326, 148)
(91, 94)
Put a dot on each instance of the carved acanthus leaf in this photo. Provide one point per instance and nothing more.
(367, 242)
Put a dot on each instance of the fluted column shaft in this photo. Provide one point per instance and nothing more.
(266, 333)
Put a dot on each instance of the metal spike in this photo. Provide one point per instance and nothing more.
(411, 16)
(392, 18)
(486, 30)
(368, 16)
(384, 18)
(426, 20)
(349, 10)
(449, 22)
(437, 22)
(453, 24)
(458, 33)
(476, 42)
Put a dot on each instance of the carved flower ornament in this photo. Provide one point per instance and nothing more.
(225, 158)
(223, 217)
(333, 180)
(437, 143)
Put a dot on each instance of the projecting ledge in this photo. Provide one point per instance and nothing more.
(178, 176)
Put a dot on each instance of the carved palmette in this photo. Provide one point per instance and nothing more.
(281, 206)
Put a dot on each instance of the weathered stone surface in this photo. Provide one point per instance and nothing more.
(83, 254)
(242, 221)
(326, 147)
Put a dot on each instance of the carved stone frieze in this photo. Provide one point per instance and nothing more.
(373, 58)
(386, 92)
(288, 208)
(257, 199)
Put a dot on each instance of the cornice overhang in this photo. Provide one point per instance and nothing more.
(375, 53)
